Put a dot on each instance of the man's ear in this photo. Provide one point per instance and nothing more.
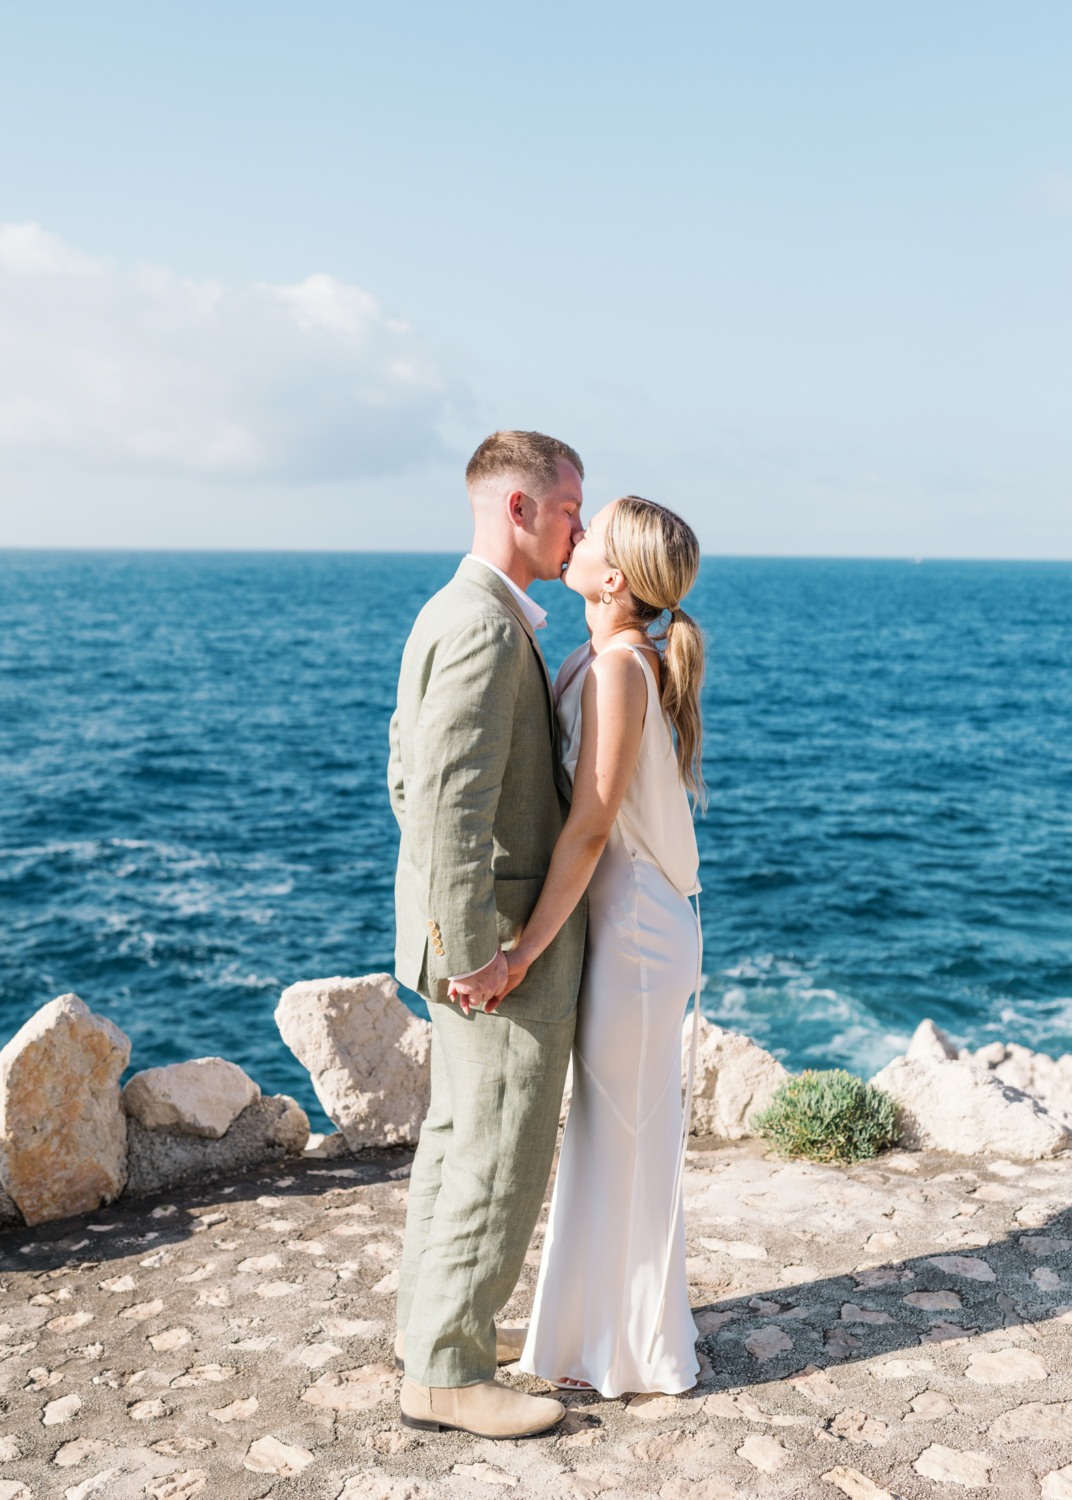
(516, 501)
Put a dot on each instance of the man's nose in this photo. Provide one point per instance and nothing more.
(576, 527)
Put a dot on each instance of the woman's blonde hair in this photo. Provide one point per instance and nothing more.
(659, 555)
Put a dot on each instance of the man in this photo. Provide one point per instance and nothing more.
(480, 796)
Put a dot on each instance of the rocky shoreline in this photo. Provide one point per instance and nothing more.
(218, 1319)
(71, 1140)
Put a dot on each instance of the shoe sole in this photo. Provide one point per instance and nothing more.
(494, 1437)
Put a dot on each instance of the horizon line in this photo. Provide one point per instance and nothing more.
(891, 557)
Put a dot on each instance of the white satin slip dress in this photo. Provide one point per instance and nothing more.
(612, 1305)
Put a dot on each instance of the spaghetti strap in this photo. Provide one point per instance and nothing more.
(629, 646)
(572, 671)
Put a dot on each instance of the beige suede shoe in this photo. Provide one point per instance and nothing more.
(509, 1343)
(486, 1410)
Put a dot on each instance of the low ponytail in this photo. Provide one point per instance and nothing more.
(659, 555)
(683, 671)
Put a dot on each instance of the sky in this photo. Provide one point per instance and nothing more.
(802, 271)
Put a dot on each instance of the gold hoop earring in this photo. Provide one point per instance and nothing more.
(606, 597)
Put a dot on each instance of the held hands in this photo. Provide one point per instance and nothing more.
(484, 989)
(491, 985)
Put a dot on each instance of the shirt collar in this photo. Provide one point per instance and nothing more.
(536, 616)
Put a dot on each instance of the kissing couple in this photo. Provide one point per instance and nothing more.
(546, 862)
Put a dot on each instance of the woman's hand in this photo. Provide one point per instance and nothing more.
(517, 965)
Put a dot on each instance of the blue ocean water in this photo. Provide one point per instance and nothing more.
(193, 810)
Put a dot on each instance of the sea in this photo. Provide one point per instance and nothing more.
(194, 815)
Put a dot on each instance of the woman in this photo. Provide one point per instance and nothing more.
(612, 1308)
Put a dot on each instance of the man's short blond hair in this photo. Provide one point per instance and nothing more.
(530, 455)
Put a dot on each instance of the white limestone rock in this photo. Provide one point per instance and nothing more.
(369, 1057)
(1045, 1078)
(764, 1453)
(1057, 1484)
(734, 1080)
(928, 1040)
(1006, 1367)
(954, 1106)
(961, 1466)
(201, 1097)
(374, 1484)
(270, 1456)
(856, 1485)
(63, 1409)
(268, 1130)
(767, 1343)
(1035, 1420)
(987, 1057)
(63, 1135)
(329, 1147)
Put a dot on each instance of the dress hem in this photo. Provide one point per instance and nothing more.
(611, 1391)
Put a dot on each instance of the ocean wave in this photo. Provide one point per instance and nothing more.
(803, 1023)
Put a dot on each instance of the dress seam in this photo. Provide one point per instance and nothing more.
(643, 987)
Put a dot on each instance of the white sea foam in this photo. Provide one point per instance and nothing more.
(828, 1027)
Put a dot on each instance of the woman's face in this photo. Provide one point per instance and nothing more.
(588, 569)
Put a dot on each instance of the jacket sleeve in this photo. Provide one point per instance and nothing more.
(461, 746)
(395, 782)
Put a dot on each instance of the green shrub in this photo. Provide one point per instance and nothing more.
(831, 1116)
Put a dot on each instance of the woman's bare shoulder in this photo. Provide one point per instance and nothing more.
(619, 674)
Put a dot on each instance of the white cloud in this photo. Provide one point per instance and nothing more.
(29, 250)
(144, 369)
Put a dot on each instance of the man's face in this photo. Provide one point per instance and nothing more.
(556, 524)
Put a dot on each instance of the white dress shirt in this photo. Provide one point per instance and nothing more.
(537, 618)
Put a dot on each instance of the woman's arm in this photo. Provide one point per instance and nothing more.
(613, 702)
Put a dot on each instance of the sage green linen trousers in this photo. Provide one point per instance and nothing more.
(477, 1185)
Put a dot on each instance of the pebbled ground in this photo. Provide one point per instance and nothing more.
(895, 1328)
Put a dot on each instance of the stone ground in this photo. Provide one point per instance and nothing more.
(892, 1328)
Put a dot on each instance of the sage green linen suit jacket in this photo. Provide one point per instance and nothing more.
(480, 795)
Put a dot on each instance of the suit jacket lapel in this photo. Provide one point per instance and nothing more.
(477, 573)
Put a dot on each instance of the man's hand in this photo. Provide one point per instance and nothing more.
(482, 988)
